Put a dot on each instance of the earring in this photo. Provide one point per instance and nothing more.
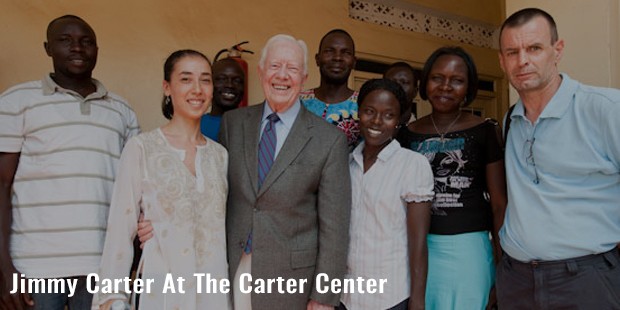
(168, 100)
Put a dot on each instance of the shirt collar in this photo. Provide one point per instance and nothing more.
(385, 154)
(50, 87)
(287, 117)
(559, 103)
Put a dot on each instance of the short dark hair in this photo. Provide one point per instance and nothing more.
(229, 60)
(525, 15)
(402, 64)
(339, 31)
(166, 103)
(57, 19)
(472, 72)
(383, 84)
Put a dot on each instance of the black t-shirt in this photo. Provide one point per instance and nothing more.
(459, 165)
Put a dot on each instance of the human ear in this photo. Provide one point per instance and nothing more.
(558, 47)
(166, 87)
(47, 50)
(501, 61)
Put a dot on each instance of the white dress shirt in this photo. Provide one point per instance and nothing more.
(378, 246)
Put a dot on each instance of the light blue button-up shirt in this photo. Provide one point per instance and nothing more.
(563, 175)
(283, 127)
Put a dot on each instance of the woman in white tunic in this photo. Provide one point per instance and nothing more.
(176, 177)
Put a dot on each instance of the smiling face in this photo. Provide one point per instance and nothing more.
(228, 84)
(379, 115)
(528, 57)
(446, 87)
(336, 58)
(190, 87)
(282, 75)
(72, 45)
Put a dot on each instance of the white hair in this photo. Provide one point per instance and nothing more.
(284, 38)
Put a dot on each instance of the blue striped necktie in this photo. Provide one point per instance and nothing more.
(266, 153)
(267, 148)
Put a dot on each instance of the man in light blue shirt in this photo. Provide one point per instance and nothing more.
(562, 222)
(283, 126)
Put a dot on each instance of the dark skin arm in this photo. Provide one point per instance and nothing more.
(496, 185)
(8, 166)
(418, 224)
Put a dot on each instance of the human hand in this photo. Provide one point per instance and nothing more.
(416, 304)
(492, 304)
(315, 305)
(145, 230)
(108, 304)
(15, 301)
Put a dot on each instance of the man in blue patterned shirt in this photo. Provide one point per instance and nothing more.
(333, 100)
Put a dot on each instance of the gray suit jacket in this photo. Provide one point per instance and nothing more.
(300, 216)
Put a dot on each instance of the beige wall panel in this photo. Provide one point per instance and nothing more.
(136, 36)
(615, 44)
(481, 10)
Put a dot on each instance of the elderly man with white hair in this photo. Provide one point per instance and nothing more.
(290, 193)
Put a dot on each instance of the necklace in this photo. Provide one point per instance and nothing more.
(442, 135)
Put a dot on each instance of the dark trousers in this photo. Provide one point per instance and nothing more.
(404, 305)
(588, 282)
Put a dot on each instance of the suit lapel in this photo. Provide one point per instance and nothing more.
(251, 134)
(297, 138)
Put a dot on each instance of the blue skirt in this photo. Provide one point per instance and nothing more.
(461, 271)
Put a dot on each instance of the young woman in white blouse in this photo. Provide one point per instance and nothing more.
(392, 191)
(177, 178)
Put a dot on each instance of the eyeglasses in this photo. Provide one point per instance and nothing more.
(528, 150)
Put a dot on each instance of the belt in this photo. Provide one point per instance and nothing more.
(611, 257)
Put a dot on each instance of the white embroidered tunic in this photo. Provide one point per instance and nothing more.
(188, 217)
